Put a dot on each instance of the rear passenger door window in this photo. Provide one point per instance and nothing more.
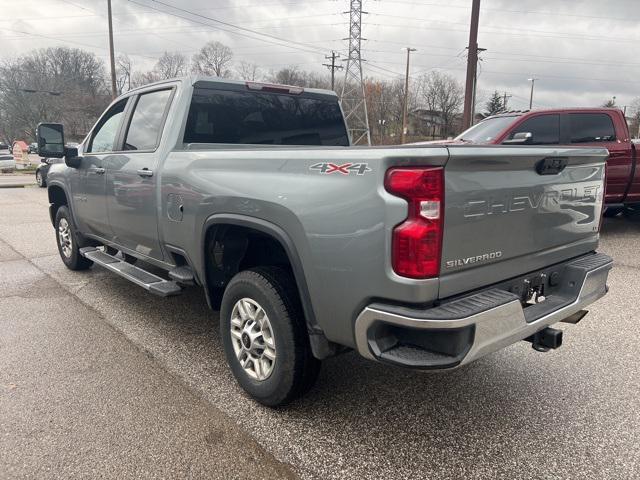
(147, 121)
(591, 128)
(545, 129)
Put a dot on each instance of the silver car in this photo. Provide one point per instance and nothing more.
(7, 163)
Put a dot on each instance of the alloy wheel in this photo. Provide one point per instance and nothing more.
(64, 237)
(252, 339)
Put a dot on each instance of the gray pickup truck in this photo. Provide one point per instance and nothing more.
(422, 257)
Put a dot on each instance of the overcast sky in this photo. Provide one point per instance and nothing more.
(582, 52)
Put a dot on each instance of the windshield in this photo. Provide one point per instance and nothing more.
(485, 131)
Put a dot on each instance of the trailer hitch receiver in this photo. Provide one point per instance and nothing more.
(546, 339)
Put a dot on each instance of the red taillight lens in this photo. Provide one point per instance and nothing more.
(417, 242)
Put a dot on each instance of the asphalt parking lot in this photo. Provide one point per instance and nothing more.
(570, 413)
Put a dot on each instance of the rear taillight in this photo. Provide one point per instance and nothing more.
(417, 242)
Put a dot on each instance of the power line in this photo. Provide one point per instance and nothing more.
(533, 12)
(228, 24)
(499, 30)
(307, 48)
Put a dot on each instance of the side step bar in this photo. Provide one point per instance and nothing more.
(150, 282)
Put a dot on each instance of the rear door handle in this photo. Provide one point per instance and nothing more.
(145, 172)
(97, 170)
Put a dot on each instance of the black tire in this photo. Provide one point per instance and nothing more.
(40, 179)
(632, 211)
(611, 212)
(71, 254)
(295, 369)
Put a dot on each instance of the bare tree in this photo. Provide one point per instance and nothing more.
(318, 80)
(292, 75)
(139, 79)
(442, 93)
(214, 59)
(249, 71)
(55, 84)
(384, 107)
(123, 73)
(634, 125)
(171, 65)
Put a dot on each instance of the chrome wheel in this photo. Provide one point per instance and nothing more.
(252, 339)
(39, 178)
(64, 237)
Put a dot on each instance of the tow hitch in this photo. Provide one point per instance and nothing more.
(546, 339)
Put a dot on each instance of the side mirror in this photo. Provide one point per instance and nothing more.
(519, 138)
(71, 157)
(50, 138)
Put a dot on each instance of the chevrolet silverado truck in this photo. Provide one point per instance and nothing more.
(596, 127)
(421, 257)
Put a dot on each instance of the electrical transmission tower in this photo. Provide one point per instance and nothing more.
(352, 98)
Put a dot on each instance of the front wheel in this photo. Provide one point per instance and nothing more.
(264, 336)
(69, 242)
(40, 180)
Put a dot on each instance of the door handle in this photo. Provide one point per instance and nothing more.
(145, 172)
(97, 170)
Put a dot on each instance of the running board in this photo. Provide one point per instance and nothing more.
(148, 281)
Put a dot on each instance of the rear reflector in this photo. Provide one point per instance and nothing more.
(417, 241)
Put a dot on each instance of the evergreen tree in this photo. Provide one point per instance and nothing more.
(495, 104)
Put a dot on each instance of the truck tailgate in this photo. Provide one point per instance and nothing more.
(509, 215)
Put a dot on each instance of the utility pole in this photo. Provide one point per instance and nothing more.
(475, 85)
(333, 67)
(533, 82)
(405, 106)
(504, 100)
(353, 98)
(472, 65)
(114, 92)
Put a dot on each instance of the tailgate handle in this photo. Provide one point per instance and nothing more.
(551, 165)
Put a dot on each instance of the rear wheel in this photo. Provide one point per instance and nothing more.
(264, 336)
(611, 212)
(69, 242)
(632, 211)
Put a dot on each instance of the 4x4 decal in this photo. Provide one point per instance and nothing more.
(344, 169)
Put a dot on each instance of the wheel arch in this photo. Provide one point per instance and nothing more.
(59, 196)
(277, 234)
(320, 345)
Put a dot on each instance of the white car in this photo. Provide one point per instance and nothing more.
(7, 163)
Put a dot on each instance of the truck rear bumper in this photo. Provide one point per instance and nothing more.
(467, 328)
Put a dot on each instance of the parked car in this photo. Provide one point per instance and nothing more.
(33, 148)
(4, 146)
(597, 127)
(310, 248)
(43, 169)
(7, 163)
